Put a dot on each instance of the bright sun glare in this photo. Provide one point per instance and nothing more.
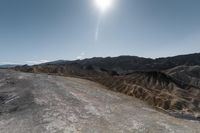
(103, 5)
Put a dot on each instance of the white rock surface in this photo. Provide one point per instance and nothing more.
(39, 103)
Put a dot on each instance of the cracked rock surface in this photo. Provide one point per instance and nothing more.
(40, 103)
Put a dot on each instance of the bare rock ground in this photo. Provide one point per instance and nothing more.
(40, 103)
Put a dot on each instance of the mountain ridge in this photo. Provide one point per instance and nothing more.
(150, 80)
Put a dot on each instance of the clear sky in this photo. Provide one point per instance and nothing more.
(33, 31)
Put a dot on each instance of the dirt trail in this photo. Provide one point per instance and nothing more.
(39, 103)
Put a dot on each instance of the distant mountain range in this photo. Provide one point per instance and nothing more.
(8, 66)
(171, 84)
(134, 63)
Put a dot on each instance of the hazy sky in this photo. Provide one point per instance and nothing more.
(33, 31)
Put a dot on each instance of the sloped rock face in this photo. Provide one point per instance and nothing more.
(186, 74)
(53, 104)
(159, 90)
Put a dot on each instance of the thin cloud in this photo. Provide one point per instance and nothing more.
(33, 62)
(6, 63)
(81, 56)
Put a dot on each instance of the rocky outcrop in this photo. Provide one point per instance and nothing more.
(158, 90)
(186, 74)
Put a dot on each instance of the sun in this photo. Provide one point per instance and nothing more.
(103, 5)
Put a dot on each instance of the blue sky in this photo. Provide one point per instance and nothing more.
(34, 31)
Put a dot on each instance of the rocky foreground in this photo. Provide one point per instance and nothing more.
(39, 103)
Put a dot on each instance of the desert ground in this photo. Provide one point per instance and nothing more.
(41, 103)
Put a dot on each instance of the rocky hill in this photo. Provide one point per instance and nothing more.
(186, 74)
(163, 83)
(159, 90)
(133, 63)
